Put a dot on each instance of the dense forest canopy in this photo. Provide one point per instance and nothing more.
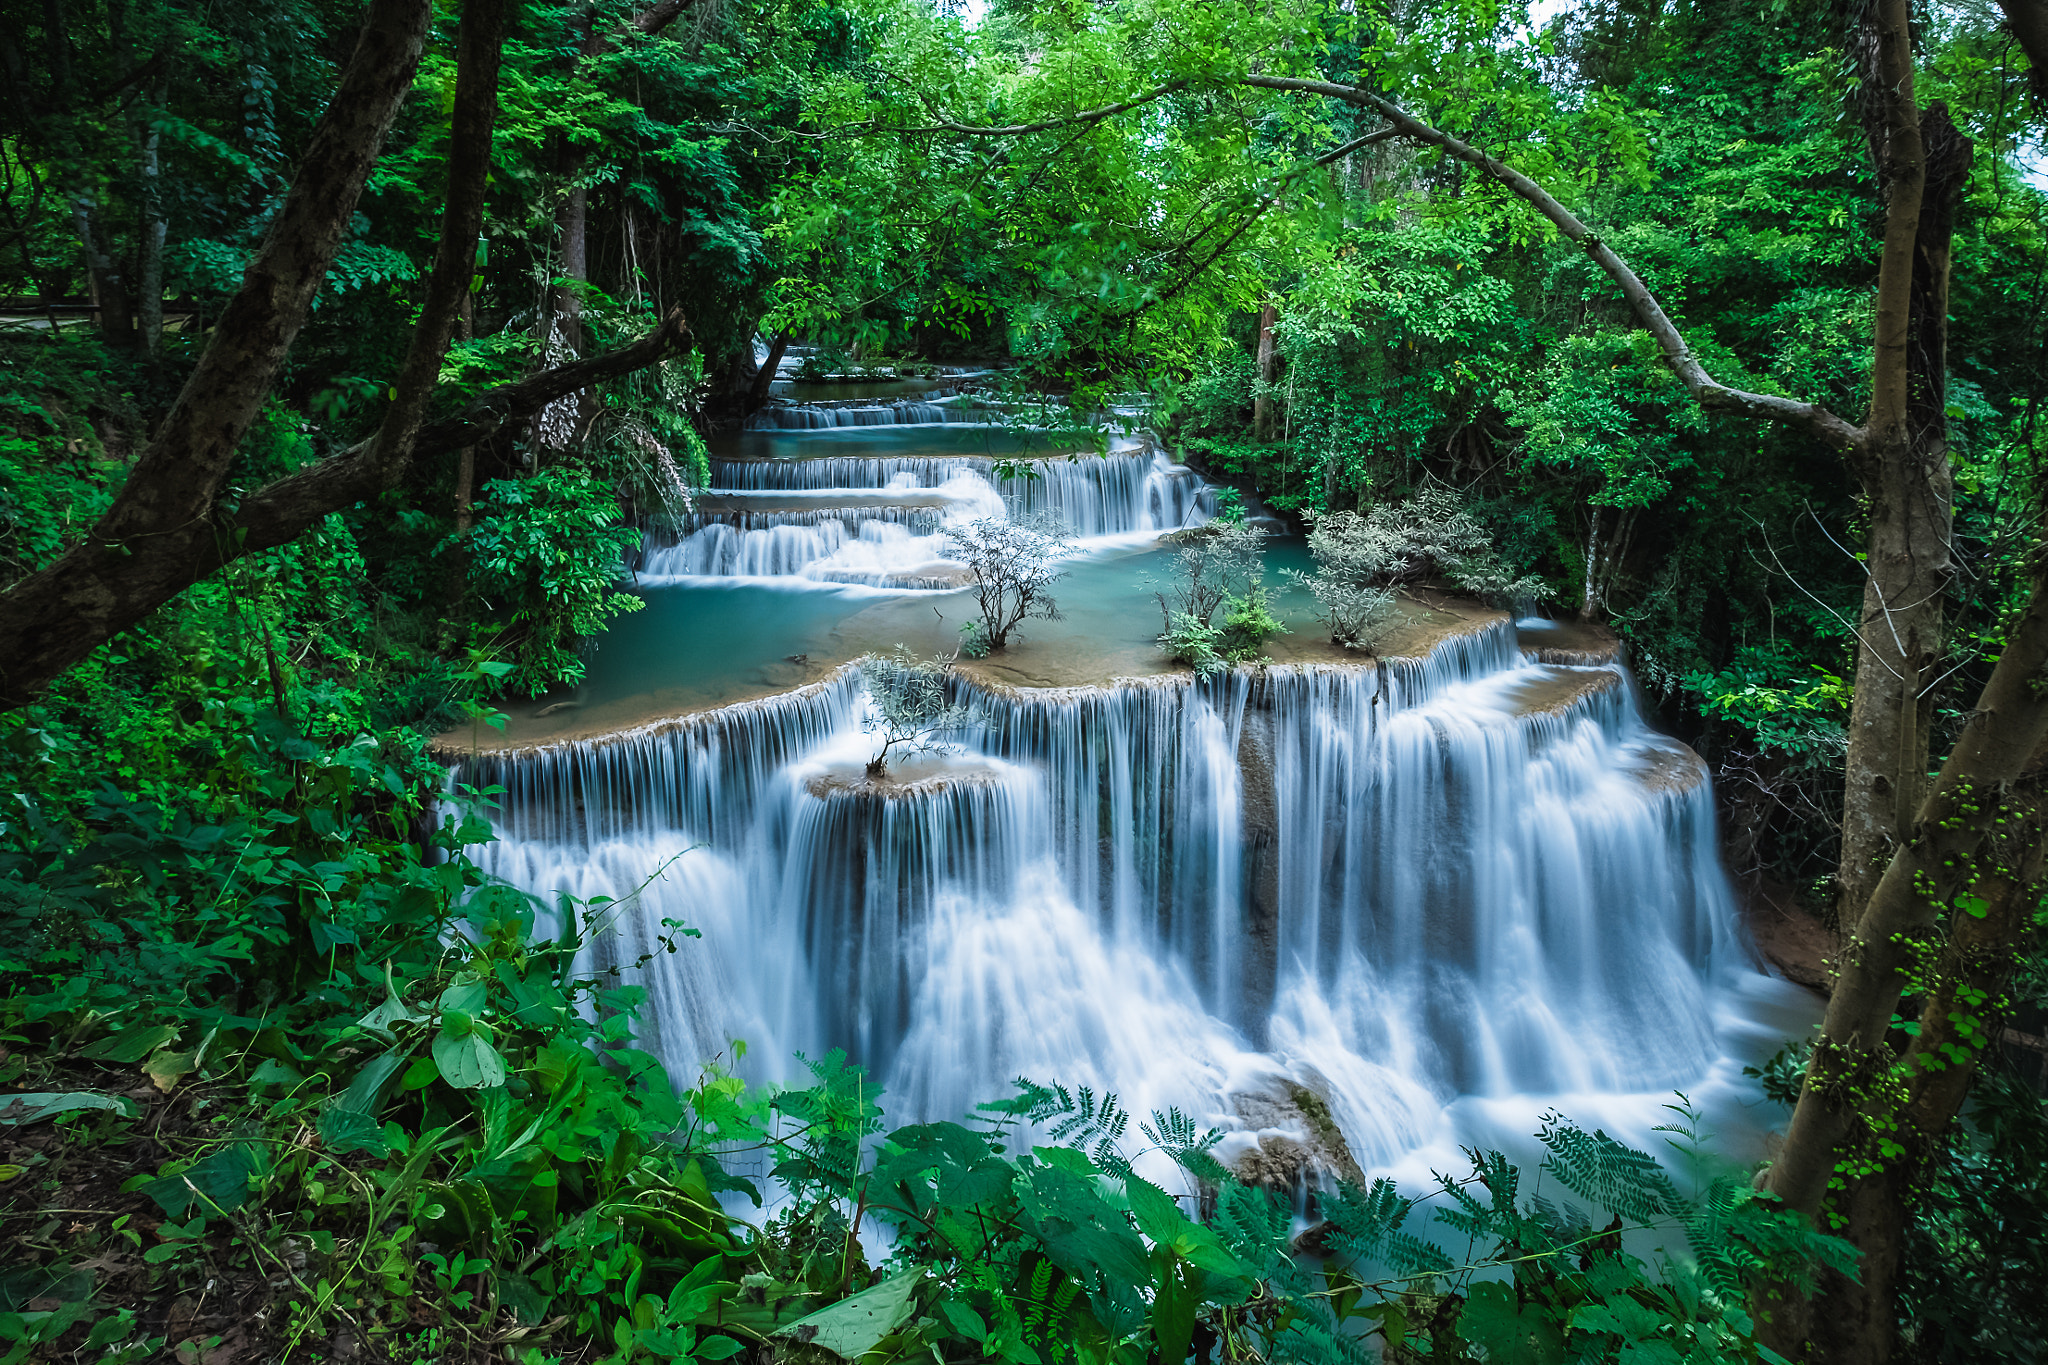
(351, 351)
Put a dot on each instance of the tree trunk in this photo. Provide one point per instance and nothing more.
(1906, 478)
(1965, 814)
(2028, 22)
(55, 617)
(465, 470)
(149, 271)
(1262, 403)
(764, 378)
(103, 277)
(1961, 1015)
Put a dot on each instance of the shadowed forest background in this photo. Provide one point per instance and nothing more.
(358, 358)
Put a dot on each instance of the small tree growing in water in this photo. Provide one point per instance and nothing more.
(911, 707)
(1216, 568)
(1015, 564)
(1361, 559)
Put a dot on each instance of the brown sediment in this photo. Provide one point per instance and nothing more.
(1791, 938)
(1672, 768)
(854, 781)
(1044, 657)
(1559, 689)
(638, 722)
(1584, 644)
(736, 502)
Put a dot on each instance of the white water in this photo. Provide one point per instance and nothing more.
(879, 521)
(1419, 892)
(1445, 893)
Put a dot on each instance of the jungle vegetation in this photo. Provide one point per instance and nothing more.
(347, 347)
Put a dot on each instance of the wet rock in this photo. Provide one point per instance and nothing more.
(1299, 1143)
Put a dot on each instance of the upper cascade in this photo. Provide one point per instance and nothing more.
(1469, 874)
(879, 520)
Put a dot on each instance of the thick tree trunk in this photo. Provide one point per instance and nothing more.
(1961, 1015)
(1906, 480)
(2028, 22)
(1957, 822)
(1263, 406)
(55, 617)
(572, 224)
(764, 378)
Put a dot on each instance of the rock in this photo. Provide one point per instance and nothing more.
(1283, 1162)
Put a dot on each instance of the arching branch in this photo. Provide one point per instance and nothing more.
(1707, 391)
(1021, 129)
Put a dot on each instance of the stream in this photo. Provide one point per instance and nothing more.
(1428, 899)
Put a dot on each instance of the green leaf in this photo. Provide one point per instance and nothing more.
(853, 1327)
(718, 1348)
(218, 1184)
(1510, 1333)
(130, 1044)
(21, 1109)
(467, 1060)
(351, 1130)
(392, 1011)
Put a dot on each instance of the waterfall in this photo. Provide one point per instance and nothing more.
(1469, 874)
(878, 520)
(819, 417)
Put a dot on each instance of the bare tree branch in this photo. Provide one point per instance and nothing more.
(1021, 129)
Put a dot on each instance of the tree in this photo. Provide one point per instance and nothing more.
(1211, 565)
(1014, 564)
(909, 705)
(176, 520)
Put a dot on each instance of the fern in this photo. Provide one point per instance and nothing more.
(1607, 1173)
(1368, 1226)
(1077, 1118)
(1180, 1137)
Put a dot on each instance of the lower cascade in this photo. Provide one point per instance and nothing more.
(1418, 890)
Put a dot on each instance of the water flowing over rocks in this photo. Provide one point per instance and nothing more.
(1393, 884)
(1351, 910)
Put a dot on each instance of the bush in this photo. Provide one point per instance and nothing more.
(909, 705)
(1360, 560)
(546, 555)
(1014, 568)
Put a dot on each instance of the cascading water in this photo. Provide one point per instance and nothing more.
(1466, 875)
(1437, 892)
(878, 521)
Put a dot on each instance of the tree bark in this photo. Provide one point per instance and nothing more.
(2028, 22)
(1262, 403)
(55, 617)
(1959, 819)
(103, 277)
(1904, 470)
(149, 270)
(764, 378)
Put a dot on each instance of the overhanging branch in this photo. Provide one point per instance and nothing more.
(1707, 391)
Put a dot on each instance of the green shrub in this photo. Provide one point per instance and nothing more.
(546, 556)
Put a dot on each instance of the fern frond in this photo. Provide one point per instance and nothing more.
(1611, 1174)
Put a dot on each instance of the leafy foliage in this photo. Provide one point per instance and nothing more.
(545, 555)
(909, 704)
